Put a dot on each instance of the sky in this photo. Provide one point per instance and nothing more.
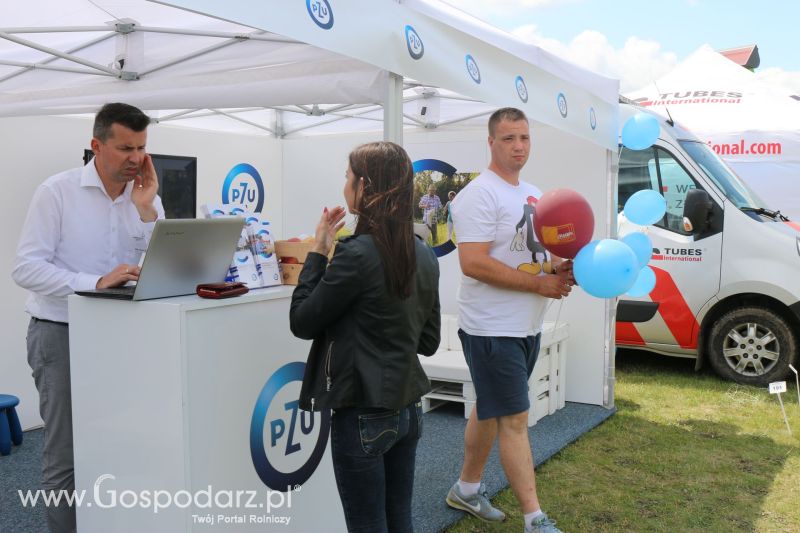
(639, 41)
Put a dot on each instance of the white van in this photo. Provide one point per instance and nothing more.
(727, 267)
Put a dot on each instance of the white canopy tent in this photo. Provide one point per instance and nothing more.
(63, 57)
(752, 125)
(277, 74)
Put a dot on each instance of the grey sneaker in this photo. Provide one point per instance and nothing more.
(478, 505)
(542, 524)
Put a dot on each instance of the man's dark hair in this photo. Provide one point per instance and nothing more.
(511, 114)
(118, 113)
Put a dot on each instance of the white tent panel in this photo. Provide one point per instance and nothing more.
(752, 125)
(564, 97)
(160, 57)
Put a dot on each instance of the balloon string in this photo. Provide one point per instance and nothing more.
(558, 313)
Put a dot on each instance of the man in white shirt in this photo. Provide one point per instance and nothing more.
(86, 228)
(506, 281)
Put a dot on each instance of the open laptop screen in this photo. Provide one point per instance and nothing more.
(182, 254)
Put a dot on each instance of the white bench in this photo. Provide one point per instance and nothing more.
(451, 382)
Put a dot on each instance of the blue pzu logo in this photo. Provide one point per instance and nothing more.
(289, 451)
(472, 68)
(592, 118)
(321, 13)
(522, 89)
(562, 104)
(251, 220)
(243, 185)
(415, 47)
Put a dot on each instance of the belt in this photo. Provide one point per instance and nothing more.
(49, 321)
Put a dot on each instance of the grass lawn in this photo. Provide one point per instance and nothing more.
(685, 452)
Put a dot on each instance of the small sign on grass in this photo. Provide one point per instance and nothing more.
(778, 387)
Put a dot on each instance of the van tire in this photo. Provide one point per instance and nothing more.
(755, 365)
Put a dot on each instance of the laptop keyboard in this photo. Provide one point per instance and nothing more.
(119, 290)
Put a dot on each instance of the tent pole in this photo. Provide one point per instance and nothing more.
(393, 109)
(610, 348)
(54, 52)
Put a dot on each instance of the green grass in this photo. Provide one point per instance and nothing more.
(685, 452)
(441, 234)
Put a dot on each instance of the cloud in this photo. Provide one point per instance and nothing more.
(784, 78)
(636, 64)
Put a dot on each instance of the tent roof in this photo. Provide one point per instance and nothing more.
(710, 94)
(71, 56)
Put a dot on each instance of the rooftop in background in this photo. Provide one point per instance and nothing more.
(746, 56)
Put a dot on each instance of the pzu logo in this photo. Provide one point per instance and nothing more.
(522, 89)
(592, 118)
(561, 100)
(291, 452)
(321, 13)
(472, 68)
(415, 46)
(243, 185)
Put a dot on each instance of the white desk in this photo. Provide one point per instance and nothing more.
(163, 399)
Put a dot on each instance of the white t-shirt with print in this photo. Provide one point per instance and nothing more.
(489, 209)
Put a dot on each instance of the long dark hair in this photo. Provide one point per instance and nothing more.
(385, 209)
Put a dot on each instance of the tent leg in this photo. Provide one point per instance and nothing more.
(610, 349)
(393, 109)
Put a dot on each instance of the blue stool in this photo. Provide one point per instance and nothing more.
(10, 430)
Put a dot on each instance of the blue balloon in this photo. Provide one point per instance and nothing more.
(583, 264)
(640, 131)
(641, 246)
(645, 282)
(606, 268)
(645, 207)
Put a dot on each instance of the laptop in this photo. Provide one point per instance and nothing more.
(182, 254)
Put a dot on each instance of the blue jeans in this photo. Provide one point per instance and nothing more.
(373, 454)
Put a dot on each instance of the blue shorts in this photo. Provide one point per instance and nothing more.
(500, 368)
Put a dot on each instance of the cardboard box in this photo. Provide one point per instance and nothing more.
(290, 273)
(298, 250)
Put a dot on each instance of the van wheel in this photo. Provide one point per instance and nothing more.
(752, 346)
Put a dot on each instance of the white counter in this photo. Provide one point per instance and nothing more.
(164, 398)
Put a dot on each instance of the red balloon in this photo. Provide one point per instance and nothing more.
(563, 222)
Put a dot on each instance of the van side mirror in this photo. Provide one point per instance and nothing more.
(697, 211)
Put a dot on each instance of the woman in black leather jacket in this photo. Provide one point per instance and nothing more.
(370, 312)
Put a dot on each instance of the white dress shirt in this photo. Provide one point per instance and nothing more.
(74, 234)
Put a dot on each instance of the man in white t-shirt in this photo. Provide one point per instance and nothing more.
(507, 278)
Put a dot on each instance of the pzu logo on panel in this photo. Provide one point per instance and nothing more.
(321, 13)
(416, 48)
(286, 443)
(243, 185)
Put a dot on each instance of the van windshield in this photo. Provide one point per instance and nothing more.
(723, 177)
